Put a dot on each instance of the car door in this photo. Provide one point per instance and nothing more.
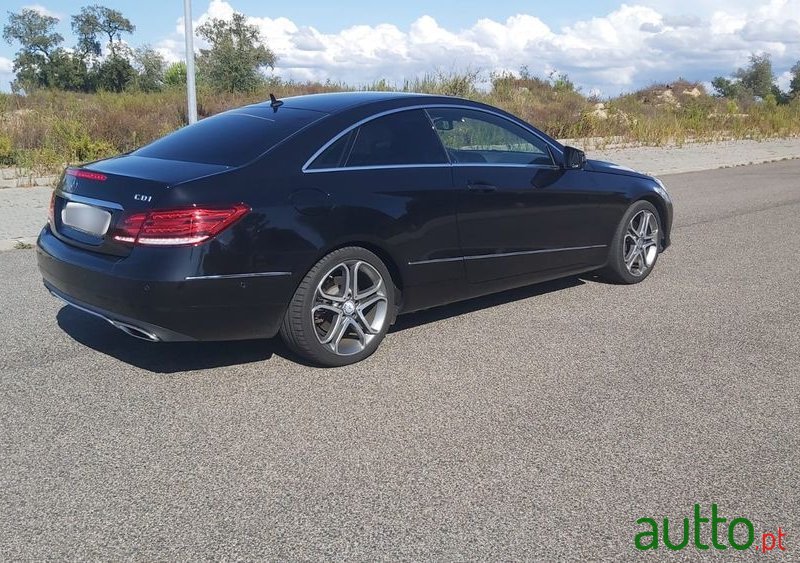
(520, 213)
(390, 185)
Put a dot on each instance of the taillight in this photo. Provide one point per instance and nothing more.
(177, 227)
(86, 174)
(51, 211)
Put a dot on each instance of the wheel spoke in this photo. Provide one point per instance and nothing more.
(644, 223)
(325, 307)
(336, 326)
(344, 288)
(631, 255)
(341, 330)
(632, 258)
(361, 316)
(362, 338)
(372, 274)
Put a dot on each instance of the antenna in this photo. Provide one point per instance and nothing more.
(274, 102)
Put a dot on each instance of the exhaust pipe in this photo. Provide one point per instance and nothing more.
(128, 329)
(134, 331)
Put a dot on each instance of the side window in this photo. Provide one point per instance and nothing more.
(405, 137)
(334, 155)
(478, 137)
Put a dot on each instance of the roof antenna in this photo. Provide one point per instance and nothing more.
(274, 102)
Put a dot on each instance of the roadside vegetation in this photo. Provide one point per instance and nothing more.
(100, 97)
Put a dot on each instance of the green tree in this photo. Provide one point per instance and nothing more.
(757, 78)
(68, 71)
(726, 88)
(95, 22)
(115, 73)
(235, 57)
(794, 84)
(149, 65)
(175, 75)
(39, 43)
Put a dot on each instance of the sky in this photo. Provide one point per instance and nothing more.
(606, 47)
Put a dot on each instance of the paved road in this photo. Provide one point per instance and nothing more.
(539, 423)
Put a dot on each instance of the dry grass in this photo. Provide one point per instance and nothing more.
(45, 130)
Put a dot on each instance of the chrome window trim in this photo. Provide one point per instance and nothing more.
(379, 167)
(506, 254)
(238, 276)
(90, 200)
(505, 165)
(378, 115)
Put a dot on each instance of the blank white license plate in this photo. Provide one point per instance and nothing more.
(86, 218)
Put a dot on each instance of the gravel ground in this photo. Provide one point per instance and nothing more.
(23, 211)
(536, 424)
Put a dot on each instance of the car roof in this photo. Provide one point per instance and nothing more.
(335, 102)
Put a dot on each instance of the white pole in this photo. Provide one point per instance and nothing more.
(191, 92)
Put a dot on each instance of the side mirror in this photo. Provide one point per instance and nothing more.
(443, 124)
(574, 158)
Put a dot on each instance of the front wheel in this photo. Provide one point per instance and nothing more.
(342, 309)
(634, 250)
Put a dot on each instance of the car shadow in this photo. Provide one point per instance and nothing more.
(174, 357)
(166, 357)
(412, 320)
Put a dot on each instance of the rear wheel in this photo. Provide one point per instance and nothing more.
(634, 250)
(342, 309)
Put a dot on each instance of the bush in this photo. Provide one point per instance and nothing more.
(7, 155)
(50, 128)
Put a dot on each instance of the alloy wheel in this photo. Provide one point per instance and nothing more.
(350, 307)
(640, 244)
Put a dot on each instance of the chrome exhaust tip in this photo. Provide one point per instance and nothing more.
(134, 331)
(129, 329)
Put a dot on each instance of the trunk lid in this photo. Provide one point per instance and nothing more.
(90, 201)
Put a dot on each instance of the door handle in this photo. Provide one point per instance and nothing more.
(481, 187)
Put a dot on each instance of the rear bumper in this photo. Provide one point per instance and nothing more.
(170, 307)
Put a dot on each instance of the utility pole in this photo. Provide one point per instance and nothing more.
(191, 91)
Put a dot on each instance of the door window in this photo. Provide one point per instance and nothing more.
(402, 138)
(476, 137)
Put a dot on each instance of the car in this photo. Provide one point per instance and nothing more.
(323, 217)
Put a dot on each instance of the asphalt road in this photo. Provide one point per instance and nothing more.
(536, 424)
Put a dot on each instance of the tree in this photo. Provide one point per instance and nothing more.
(68, 71)
(175, 75)
(115, 73)
(794, 85)
(236, 57)
(149, 65)
(96, 20)
(757, 78)
(38, 45)
(726, 88)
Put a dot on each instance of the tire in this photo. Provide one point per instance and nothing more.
(342, 309)
(640, 249)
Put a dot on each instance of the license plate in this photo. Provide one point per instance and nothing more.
(86, 218)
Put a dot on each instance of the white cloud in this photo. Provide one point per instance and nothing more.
(629, 47)
(6, 73)
(43, 11)
(6, 65)
(784, 80)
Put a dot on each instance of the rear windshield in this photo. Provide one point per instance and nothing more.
(231, 138)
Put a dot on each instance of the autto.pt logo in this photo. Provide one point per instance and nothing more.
(722, 533)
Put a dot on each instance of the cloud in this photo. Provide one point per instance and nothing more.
(629, 47)
(6, 73)
(43, 11)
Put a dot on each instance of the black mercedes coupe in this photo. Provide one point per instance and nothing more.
(323, 217)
